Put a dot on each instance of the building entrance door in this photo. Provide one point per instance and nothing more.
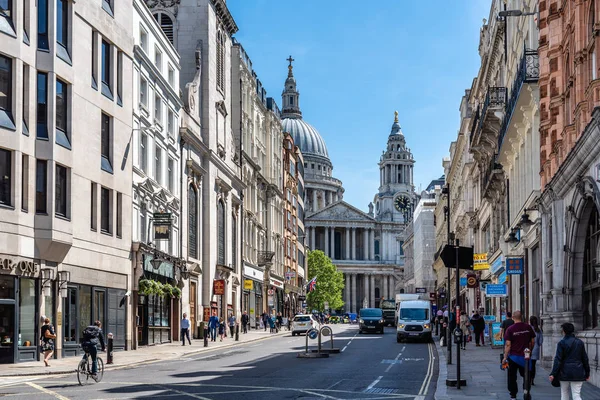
(7, 333)
(193, 295)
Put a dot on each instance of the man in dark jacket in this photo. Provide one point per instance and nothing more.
(571, 364)
(92, 337)
(245, 321)
(478, 327)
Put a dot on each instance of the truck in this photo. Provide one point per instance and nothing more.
(413, 318)
(388, 307)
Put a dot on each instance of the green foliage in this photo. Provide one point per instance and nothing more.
(330, 282)
(168, 289)
(176, 292)
(149, 287)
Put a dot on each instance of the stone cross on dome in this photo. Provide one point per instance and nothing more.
(290, 59)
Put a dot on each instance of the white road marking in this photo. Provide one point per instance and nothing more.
(344, 348)
(427, 380)
(337, 383)
(47, 391)
(392, 364)
(181, 392)
(375, 382)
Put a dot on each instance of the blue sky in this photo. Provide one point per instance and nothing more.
(357, 62)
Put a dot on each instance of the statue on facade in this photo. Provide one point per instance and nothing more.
(192, 97)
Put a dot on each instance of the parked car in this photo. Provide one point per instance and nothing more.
(370, 320)
(302, 323)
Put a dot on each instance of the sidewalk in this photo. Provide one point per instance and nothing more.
(480, 366)
(142, 355)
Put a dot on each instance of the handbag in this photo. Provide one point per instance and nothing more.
(556, 381)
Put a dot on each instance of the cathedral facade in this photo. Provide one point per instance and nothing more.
(365, 246)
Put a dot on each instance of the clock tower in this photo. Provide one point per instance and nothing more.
(396, 198)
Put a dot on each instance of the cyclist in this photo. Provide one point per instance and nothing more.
(92, 336)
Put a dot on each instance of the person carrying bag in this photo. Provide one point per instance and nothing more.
(571, 365)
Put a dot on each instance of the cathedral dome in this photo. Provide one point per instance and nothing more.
(306, 137)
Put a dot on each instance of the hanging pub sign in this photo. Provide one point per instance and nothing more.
(162, 226)
(219, 287)
(471, 281)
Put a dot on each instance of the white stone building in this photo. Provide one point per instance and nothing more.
(65, 167)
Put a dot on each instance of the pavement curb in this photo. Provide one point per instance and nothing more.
(109, 367)
(441, 390)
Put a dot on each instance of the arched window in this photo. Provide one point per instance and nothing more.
(220, 233)
(193, 222)
(591, 286)
(166, 24)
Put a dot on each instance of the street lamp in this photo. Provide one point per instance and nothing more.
(156, 262)
(519, 13)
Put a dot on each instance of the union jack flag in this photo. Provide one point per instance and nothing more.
(311, 284)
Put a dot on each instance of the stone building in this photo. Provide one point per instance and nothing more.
(65, 186)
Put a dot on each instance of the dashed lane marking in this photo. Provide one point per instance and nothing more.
(375, 382)
(344, 348)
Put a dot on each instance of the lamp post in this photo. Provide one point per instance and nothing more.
(446, 191)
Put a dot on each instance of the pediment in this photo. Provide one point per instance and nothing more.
(147, 186)
(341, 211)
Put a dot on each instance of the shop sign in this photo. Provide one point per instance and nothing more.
(162, 226)
(219, 287)
(480, 262)
(463, 281)
(420, 290)
(23, 267)
(497, 334)
(248, 284)
(206, 314)
(270, 292)
(253, 273)
(497, 265)
(489, 318)
(496, 290)
(502, 277)
(471, 281)
(514, 266)
(301, 298)
(276, 282)
(271, 301)
(290, 275)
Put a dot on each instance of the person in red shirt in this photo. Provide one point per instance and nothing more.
(518, 337)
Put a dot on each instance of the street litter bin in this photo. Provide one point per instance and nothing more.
(201, 330)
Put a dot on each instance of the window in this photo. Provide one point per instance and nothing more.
(143, 39)
(144, 92)
(24, 182)
(591, 286)
(119, 78)
(158, 165)
(143, 226)
(234, 242)
(157, 108)
(166, 24)
(42, 8)
(62, 23)
(158, 58)
(94, 207)
(41, 180)
(106, 69)
(62, 137)
(5, 177)
(171, 76)
(6, 9)
(171, 172)
(193, 222)
(5, 84)
(143, 151)
(220, 233)
(106, 162)
(119, 215)
(170, 122)
(25, 99)
(60, 191)
(94, 60)
(105, 210)
(42, 106)
(220, 60)
(107, 5)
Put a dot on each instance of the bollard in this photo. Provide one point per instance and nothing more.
(237, 332)
(526, 380)
(205, 336)
(109, 349)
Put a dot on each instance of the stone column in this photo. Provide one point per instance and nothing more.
(367, 293)
(353, 243)
(332, 247)
(347, 249)
(384, 287)
(314, 201)
(365, 244)
(372, 244)
(313, 237)
(392, 285)
(372, 293)
(327, 241)
(347, 292)
(353, 293)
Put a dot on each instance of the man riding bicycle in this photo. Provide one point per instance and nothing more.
(92, 336)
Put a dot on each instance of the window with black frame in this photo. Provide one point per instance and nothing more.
(5, 177)
(591, 286)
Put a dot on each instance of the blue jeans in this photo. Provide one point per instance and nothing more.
(213, 333)
(90, 348)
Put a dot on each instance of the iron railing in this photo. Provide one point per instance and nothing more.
(495, 97)
(487, 176)
(528, 72)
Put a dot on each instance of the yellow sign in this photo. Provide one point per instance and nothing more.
(480, 262)
(248, 284)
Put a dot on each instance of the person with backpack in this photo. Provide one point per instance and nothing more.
(92, 336)
(571, 364)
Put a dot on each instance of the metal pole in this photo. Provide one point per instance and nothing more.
(457, 313)
(448, 292)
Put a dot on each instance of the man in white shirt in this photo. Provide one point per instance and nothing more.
(185, 330)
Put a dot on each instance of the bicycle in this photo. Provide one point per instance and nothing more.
(84, 369)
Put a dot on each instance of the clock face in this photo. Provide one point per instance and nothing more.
(402, 203)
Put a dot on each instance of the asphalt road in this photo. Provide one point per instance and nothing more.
(370, 366)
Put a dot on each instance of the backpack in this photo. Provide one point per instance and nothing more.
(89, 333)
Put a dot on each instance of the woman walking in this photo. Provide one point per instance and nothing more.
(537, 345)
(464, 327)
(47, 339)
(571, 364)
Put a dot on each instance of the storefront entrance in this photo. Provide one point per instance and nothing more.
(7, 334)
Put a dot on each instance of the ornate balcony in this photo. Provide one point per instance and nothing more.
(492, 180)
(484, 134)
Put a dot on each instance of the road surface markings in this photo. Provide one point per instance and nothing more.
(47, 391)
(392, 364)
(181, 392)
(344, 348)
(375, 382)
(427, 380)
(319, 394)
(335, 384)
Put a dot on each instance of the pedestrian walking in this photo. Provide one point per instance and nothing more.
(519, 336)
(464, 327)
(213, 325)
(478, 327)
(231, 322)
(245, 322)
(265, 320)
(537, 345)
(185, 330)
(571, 365)
(506, 323)
(279, 321)
(47, 340)
(221, 329)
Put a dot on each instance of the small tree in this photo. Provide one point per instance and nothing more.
(330, 282)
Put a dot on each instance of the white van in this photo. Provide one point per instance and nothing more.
(414, 320)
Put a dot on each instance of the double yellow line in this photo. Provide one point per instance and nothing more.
(429, 375)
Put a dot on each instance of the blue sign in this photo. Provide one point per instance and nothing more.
(489, 318)
(496, 290)
(497, 334)
(463, 281)
(514, 266)
(496, 265)
(502, 277)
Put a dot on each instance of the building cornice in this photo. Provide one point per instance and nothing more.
(225, 16)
